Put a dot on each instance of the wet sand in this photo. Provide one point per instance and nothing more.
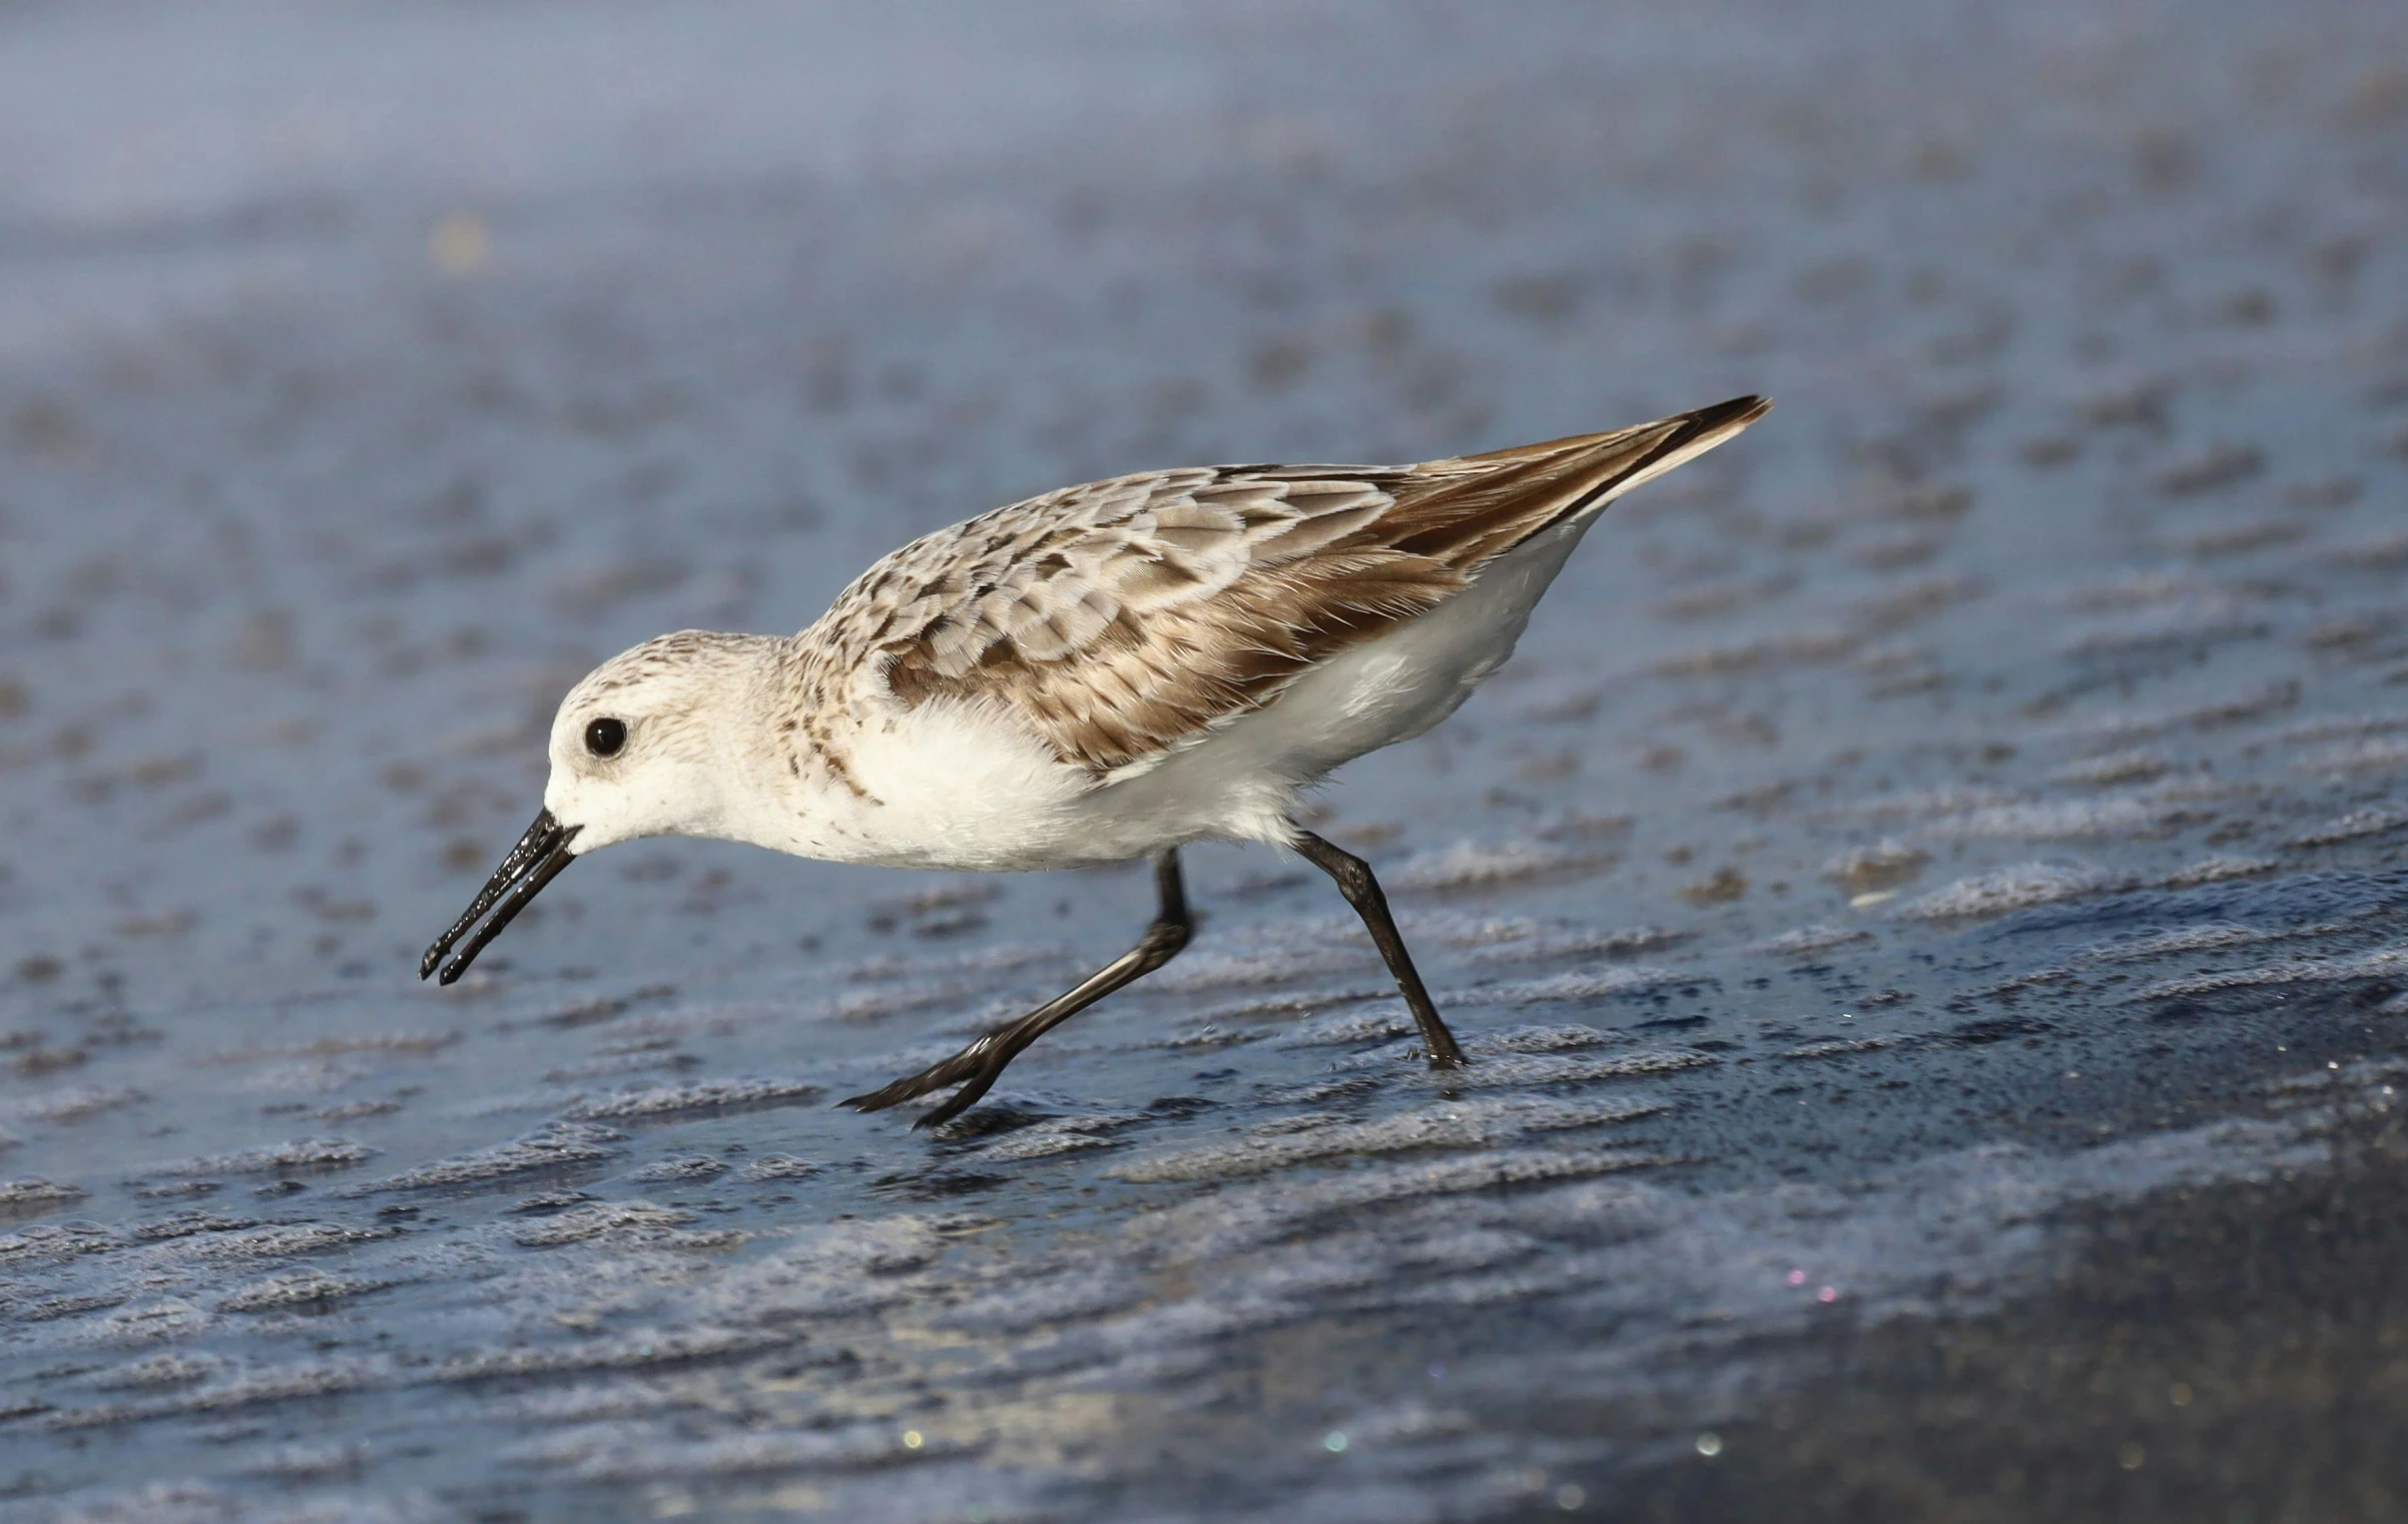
(1923, 901)
(2226, 1351)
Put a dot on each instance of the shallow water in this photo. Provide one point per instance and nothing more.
(1961, 811)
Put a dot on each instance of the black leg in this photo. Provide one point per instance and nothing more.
(1362, 890)
(977, 1064)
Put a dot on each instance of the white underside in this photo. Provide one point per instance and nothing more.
(963, 787)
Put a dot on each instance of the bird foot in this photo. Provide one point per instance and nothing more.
(975, 1067)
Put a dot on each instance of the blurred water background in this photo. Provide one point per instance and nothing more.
(1923, 899)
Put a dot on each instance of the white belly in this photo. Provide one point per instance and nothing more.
(1242, 781)
(967, 789)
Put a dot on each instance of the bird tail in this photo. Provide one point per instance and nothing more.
(1477, 507)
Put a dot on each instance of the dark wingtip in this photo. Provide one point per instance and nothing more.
(427, 964)
(1739, 410)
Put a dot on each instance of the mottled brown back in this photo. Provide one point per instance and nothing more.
(1123, 617)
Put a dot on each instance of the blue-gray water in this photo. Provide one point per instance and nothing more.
(1960, 810)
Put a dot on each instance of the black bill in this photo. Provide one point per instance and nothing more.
(535, 861)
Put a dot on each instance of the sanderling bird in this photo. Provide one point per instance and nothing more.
(1104, 673)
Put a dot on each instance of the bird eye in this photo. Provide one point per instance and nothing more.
(603, 737)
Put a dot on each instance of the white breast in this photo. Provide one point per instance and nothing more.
(950, 784)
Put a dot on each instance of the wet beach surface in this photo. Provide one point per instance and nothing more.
(1924, 903)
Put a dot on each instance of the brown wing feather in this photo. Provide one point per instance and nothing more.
(1123, 617)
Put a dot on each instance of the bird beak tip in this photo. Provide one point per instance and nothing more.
(540, 856)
